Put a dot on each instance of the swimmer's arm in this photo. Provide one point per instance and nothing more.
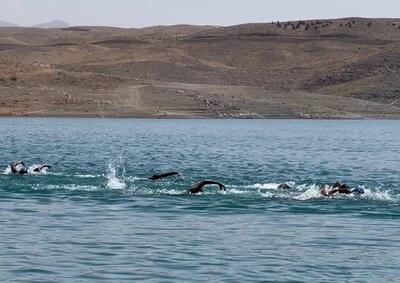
(342, 191)
(162, 176)
(204, 183)
(18, 163)
(171, 174)
(45, 166)
(198, 188)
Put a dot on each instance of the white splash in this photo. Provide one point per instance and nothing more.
(313, 192)
(7, 171)
(113, 182)
(308, 192)
(379, 195)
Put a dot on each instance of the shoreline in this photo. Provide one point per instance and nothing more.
(138, 117)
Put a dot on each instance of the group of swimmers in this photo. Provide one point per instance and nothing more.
(337, 188)
(195, 189)
(327, 190)
(19, 168)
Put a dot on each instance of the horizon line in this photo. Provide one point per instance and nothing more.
(187, 24)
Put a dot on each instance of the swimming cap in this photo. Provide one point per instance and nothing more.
(359, 190)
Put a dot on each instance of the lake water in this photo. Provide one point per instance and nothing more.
(96, 218)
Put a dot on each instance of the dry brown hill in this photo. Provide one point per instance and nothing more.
(344, 68)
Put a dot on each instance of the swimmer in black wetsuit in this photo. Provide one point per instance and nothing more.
(163, 176)
(18, 168)
(41, 168)
(286, 186)
(198, 188)
(340, 188)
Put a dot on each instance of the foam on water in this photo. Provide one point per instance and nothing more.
(267, 195)
(7, 171)
(76, 175)
(376, 194)
(269, 186)
(380, 195)
(153, 192)
(135, 178)
(266, 186)
(67, 187)
(311, 192)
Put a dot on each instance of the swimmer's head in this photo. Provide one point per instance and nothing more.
(360, 190)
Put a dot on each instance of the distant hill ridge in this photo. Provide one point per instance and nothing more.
(333, 68)
(47, 25)
(6, 24)
(53, 24)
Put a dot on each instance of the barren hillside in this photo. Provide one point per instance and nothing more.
(345, 68)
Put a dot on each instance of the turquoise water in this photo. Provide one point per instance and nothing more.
(95, 217)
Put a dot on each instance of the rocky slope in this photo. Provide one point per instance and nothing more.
(344, 68)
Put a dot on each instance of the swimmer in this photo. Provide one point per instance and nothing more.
(41, 168)
(18, 168)
(198, 188)
(286, 186)
(163, 176)
(341, 188)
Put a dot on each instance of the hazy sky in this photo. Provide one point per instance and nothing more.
(138, 13)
